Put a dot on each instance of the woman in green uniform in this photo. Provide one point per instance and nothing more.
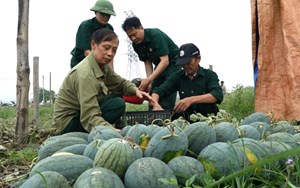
(84, 100)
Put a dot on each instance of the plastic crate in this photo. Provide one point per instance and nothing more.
(142, 117)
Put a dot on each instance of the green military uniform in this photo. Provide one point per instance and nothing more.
(83, 39)
(84, 92)
(156, 44)
(205, 81)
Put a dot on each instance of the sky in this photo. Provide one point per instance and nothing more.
(221, 30)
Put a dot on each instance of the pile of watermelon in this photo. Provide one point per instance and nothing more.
(152, 156)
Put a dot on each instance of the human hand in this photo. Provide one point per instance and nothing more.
(156, 107)
(144, 95)
(145, 85)
(182, 105)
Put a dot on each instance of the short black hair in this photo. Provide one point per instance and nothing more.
(103, 34)
(131, 22)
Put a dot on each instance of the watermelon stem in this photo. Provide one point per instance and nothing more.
(171, 129)
(168, 136)
(164, 122)
(212, 119)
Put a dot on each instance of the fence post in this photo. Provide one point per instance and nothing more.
(50, 95)
(36, 120)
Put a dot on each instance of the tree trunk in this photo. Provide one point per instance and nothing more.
(23, 70)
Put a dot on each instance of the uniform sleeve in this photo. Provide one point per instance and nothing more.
(110, 27)
(90, 112)
(83, 37)
(214, 87)
(168, 87)
(118, 84)
(160, 43)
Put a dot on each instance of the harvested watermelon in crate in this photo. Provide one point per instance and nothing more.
(143, 117)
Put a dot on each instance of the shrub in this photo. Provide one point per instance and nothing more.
(240, 102)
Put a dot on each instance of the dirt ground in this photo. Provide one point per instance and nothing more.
(13, 166)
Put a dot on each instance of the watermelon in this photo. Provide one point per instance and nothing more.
(153, 128)
(184, 167)
(221, 159)
(263, 128)
(256, 117)
(125, 130)
(199, 135)
(226, 131)
(139, 134)
(70, 166)
(283, 126)
(46, 179)
(98, 177)
(75, 149)
(58, 144)
(94, 131)
(166, 144)
(297, 137)
(115, 154)
(149, 172)
(278, 147)
(283, 137)
(92, 148)
(82, 135)
(253, 149)
(248, 131)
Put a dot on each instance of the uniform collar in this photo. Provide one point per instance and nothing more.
(96, 68)
(97, 25)
(200, 72)
(146, 35)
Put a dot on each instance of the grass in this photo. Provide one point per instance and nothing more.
(21, 157)
(7, 112)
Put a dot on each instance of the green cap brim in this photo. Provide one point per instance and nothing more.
(105, 11)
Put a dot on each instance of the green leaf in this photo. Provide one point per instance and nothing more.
(189, 181)
(207, 178)
(169, 181)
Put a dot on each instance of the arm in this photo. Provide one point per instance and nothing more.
(88, 94)
(148, 67)
(155, 104)
(146, 83)
(144, 95)
(83, 38)
(213, 95)
(168, 87)
(185, 103)
(151, 75)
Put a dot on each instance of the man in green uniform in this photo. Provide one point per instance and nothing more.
(83, 100)
(103, 10)
(153, 47)
(198, 88)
